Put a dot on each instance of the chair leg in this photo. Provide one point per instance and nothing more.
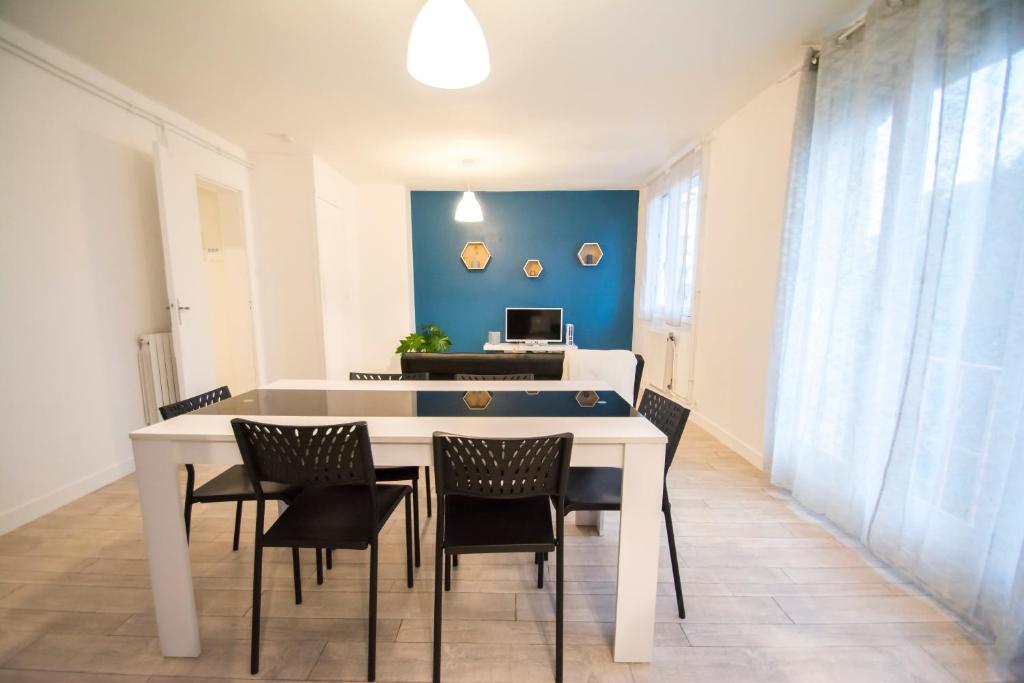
(447, 571)
(437, 610)
(257, 591)
(540, 570)
(319, 566)
(408, 542)
(330, 558)
(190, 483)
(455, 560)
(371, 641)
(675, 561)
(416, 515)
(238, 524)
(559, 599)
(297, 576)
(430, 512)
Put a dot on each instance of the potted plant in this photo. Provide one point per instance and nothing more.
(430, 338)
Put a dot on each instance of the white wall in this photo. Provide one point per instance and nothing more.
(385, 265)
(339, 259)
(81, 277)
(746, 175)
(287, 266)
(338, 248)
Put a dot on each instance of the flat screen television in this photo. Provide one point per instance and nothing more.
(533, 324)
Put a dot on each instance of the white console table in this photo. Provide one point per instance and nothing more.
(519, 347)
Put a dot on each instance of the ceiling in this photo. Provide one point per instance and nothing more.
(582, 93)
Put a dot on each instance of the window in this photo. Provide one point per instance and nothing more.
(673, 218)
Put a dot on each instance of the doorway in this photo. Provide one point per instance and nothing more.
(226, 267)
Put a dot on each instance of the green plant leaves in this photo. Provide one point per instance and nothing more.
(431, 338)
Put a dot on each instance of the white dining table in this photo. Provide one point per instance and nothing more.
(403, 436)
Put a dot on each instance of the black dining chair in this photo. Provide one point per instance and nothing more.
(600, 488)
(493, 497)
(230, 486)
(392, 376)
(518, 377)
(411, 473)
(341, 505)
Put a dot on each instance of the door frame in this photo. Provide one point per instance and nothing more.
(207, 166)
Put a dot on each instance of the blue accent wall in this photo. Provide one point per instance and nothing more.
(550, 226)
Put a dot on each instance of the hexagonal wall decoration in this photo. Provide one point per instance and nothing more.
(587, 399)
(477, 400)
(590, 254)
(532, 268)
(475, 255)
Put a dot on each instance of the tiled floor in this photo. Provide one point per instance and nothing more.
(771, 594)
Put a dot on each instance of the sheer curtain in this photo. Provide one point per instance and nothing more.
(898, 404)
(673, 217)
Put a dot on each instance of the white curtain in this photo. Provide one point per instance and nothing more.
(670, 243)
(898, 403)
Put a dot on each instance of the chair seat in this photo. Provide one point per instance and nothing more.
(594, 488)
(234, 484)
(333, 517)
(397, 473)
(486, 525)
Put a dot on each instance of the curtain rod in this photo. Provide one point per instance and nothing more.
(112, 98)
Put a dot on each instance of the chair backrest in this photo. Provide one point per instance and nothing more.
(393, 376)
(187, 405)
(518, 377)
(666, 415)
(324, 455)
(502, 468)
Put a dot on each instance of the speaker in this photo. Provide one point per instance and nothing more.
(568, 333)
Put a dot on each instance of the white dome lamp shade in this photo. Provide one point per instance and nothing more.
(447, 48)
(468, 209)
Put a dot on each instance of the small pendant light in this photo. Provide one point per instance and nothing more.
(468, 209)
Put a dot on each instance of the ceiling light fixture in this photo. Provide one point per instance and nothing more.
(447, 48)
(468, 209)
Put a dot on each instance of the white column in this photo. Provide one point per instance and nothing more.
(170, 573)
(643, 470)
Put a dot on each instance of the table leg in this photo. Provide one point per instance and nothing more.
(590, 518)
(643, 470)
(170, 573)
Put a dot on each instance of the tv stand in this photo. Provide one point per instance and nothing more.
(522, 347)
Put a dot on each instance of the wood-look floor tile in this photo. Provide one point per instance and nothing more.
(821, 635)
(271, 628)
(141, 656)
(971, 663)
(526, 632)
(12, 642)
(790, 665)
(49, 621)
(408, 605)
(699, 609)
(22, 676)
(861, 609)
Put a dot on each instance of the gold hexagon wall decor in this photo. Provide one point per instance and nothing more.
(590, 254)
(587, 399)
(475, 255)
(477, 400)
(532, 268)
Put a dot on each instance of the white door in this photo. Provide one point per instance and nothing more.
(179, 167)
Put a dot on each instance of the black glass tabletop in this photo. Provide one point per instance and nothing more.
(364, 403)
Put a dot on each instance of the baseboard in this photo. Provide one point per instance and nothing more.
(37, 507)
(752, 455)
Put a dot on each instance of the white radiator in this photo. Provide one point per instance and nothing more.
(157, 374)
